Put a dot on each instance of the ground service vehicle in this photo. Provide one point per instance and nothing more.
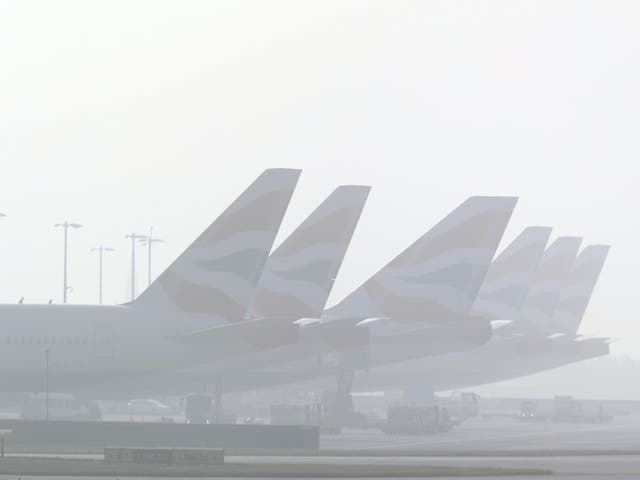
(198, 408)
(416, 420)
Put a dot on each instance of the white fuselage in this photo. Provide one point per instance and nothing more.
(318, 352)
(496, 361)
(79, 345)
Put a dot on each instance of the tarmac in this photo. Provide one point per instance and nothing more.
(503, 433)
(570, 451)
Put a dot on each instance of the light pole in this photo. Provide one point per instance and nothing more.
(133, 237)
(66, 226)
(148, 242)
(46, 383)
(101, 249)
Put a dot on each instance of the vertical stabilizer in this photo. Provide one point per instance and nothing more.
(550, 280)
(510, 276)
(299, 274)
(574, 300)
(437, 278)
(218, 273)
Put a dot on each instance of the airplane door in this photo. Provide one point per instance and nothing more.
(104, 342)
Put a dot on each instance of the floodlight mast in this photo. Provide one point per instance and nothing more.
(65, 226)
(133, 236)
(101, 249)
(148, 242)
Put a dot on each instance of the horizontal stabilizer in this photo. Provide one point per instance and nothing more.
(261, 333)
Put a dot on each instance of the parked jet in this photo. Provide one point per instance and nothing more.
(573, 302)
(210, 284)
(296, 280)
(298, 276)
(518, 354)
(426, 291)
(515, 281)
(501, 296)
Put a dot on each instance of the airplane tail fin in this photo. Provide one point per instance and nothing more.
(510, 276)
(574, 300)
(300, 273)
(550, 280)
(437, 278)
(217, 274)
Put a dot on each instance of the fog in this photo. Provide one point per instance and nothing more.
(607, 379)
(133, 114)
(124, 116)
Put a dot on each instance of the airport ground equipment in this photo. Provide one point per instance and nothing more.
(528, 412)
(569, 409)
(407, 420)
(460, 406)
(198, 408)
(339, 411)
(295, 414)
(202, 408)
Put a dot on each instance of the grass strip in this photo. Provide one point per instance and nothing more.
(69, 468)
(392, 452)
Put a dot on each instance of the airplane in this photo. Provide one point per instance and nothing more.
(209, 285)
(501, 295)
(298, 276)
(525, 352)
(295, 282)
(504, 293)
(515, 284)
(437, 277)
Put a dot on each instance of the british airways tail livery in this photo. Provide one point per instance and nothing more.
(510, 276)
(574, 300)
(218, 273)
(550, 280)
(300, 273)
(437, 278)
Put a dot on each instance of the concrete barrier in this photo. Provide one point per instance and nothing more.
(30, 433)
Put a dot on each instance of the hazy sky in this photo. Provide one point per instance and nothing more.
(122, 115)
